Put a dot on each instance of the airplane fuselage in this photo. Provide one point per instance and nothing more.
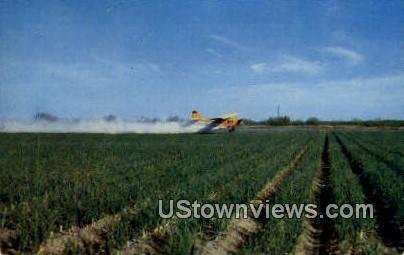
(227, 121)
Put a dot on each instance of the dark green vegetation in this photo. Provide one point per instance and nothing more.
(313, 121)
(280, 235)
(53, 182)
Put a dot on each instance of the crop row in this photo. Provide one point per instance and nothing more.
(381, 175)
(114, 183)
(217, 187)
(385, 142)
(346, 185)
(50, 181)
(279, 236)
(382, 187)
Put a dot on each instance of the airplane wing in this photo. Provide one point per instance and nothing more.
(229, 115)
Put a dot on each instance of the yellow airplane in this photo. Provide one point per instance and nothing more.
(228, 121)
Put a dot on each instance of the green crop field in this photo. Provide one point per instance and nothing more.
(98, 193)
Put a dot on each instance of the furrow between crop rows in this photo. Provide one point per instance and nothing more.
(319, 234)
(87, 239)
(8, 241)
(240, 229)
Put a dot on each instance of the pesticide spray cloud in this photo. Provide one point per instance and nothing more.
(97, 126)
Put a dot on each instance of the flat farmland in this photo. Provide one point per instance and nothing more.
(99, 193)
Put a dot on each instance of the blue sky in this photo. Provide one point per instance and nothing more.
(87, 59)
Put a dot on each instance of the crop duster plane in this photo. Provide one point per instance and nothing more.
(228, 121)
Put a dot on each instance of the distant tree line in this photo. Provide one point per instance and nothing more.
(283, 121)
(368, 123)
(313, 121)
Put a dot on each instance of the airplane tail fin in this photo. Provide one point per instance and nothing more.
(195, 116)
